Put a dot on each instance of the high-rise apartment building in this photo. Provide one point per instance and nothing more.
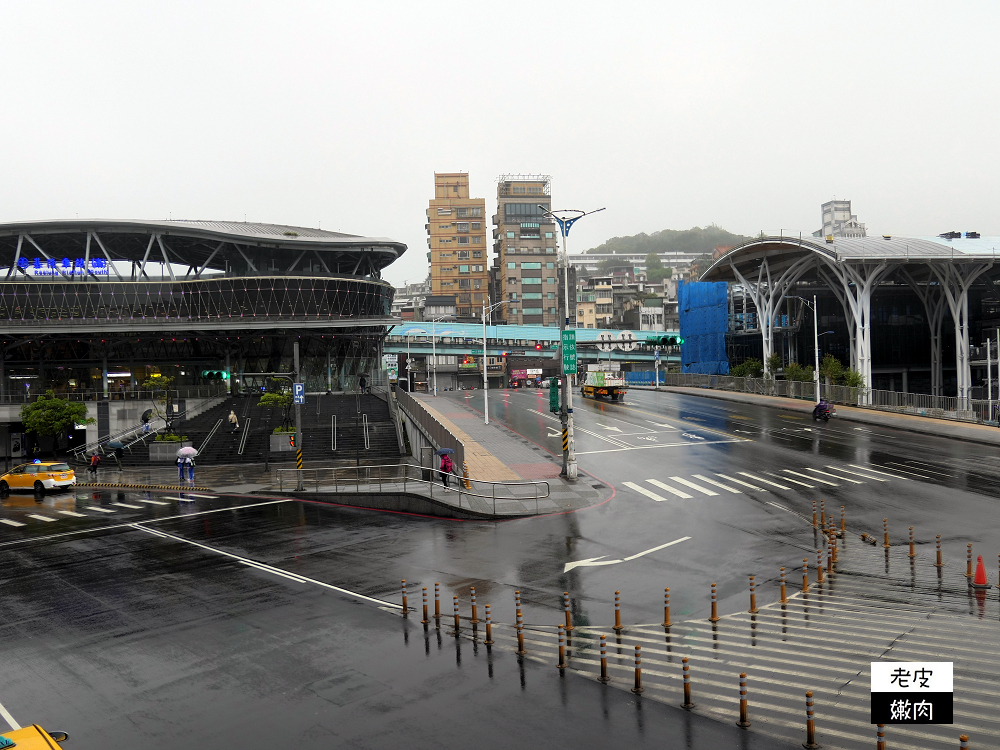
(456, 239)
(526, 243)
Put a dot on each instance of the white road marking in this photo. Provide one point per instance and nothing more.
(11, 523)
(745, 484)
(694, 486)
(593, 561)
(609, 427)
(101, 510)
(661, 424)
(180, 499)
(153, 502)
(900, 471)
(262, 566)
(644, 491)
(883, 473)
(207, 497)
(126, 505)
(826, 474)
(543, 414)
(846, 471)
(42, 518)
(811, 479)
(916, 469)
(658, 445)
(923, 463)
(794, 481)
(668, 488)
(761, 479)
(8, 718)
(71, 513)
(717, 484)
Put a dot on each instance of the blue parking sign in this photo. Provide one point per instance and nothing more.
(299, 393)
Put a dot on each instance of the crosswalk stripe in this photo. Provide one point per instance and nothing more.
(644, 491)
(126, 505)
(71, 513)
(810, 478)
(153, 502)
(718, 484)
(890, 471)
(42, 518)
(11, 523)
(884, 473)
(922, 463)
(761, 479)
(745, 484)
(101, 510)
(825, 474)
(913, 469)
(668, 488)
(207, 497)
(694, 486)
(847, 471)
(181, 499)
(795, 481)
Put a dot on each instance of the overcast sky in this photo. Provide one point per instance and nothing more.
(670, 114)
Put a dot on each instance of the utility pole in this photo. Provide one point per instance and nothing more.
(298, 421)
(566, 222)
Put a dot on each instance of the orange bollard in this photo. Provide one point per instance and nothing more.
(437, 601)
(843, 523)
(829, 555)
(880, 737)
(744, 718)
(814, 514)
(819, 567)
(805, 576)
(753, 598)
(940, 562)
(618, 613)
(687, 704)
(562, 647)
(520, 635)
(963, 742)
(405, 608)
(715, 612)
(836, 545)
(457, 625)
(569, 615)
(885, 532)
(638, 670)
(968, 563)
(604, 660)
(475, 614)
(425, 620)
(784, 595)
(912, 551)
(666, 608)
(489, 628)
(822, 514)
(810, 743)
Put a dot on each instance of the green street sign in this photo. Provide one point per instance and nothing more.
(569, 351)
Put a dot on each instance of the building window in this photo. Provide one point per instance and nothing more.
(477, 297)
(511, 264)
(550, 280)
(531, 280)
(465, 283)
(463, 240)
(517, 190)
(536, 251)
(462, 226)
(465, 311)
(478, 283)
(532, 295)
(550, 250)
(463, 254)
(604, 309)
(547, 265)
(511, 280)
(444, 212)
(552, 311)
(477, 253)
(535, 190)
(548, 235)
(477, 225)
(477, 269)
(531, 266)
(464, 299)
(463, 269)
(510, 235)
(477, 240)
(512, 310)
(533, 310)
(551, 295)
(463, 212)
(512, 296)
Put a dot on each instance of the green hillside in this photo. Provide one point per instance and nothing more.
(694, 240)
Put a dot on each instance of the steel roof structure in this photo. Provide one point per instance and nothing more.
(940, 270)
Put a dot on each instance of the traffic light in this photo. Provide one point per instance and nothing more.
(215, 375)
(664, 341)
(538, 347)
(554, 395)
(291, 440)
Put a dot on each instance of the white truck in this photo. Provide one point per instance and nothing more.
(604, 380)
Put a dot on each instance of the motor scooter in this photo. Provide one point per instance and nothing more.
(823, 411)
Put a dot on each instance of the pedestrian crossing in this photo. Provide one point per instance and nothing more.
(820, 477)
(45, 515)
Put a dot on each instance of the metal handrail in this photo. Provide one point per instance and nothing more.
(208, 437)
(374, 476)
(243, 438)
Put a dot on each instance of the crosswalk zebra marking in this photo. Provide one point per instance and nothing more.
(694, 486)
(794, 481)
(761, 479)
(717, 484)
(153, 502)
(11, 523)
(42, 518)
(72, 513)
(644, 491)
(916, 469)
(745, 484)
(889, 472)
(825, 474)
(883, 473)
(810, 478)
(101, 510)
(847, 471)
(126, 505)
(668, 488)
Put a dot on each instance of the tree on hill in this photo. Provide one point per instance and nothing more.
(696, 240)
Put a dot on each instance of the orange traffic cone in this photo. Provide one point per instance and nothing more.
(979, 581)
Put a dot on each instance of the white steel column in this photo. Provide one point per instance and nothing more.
(955, 283)
(932, 298)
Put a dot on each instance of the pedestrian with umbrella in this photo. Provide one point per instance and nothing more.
(185, 458)
(447, 466)
(116, 452)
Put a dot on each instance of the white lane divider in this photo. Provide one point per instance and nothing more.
(668, 488)
(810, 478)
(761, 479)
(153, 502)
(644, 491)
(71, 513)
(718, 484)
(126, 505)
(543, 414)
(827, 474)
(101, 510)
(11, 523)
(42, 518)
(8, 718)
(854, 473)
(745, 484)
(694, 486)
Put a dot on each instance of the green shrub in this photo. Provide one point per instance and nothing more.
(752, 368)
(853, 379)
(773, 364)
(171, 438)
(283, 429)
(795, 371)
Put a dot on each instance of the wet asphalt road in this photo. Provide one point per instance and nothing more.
(140, 616)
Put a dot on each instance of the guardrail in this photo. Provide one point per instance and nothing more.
(917, 404)
(400, 477)
(437, 432)
(193, 391)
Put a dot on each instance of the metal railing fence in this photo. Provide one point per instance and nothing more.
(401, 477)
(438, 433)
(184, 391)
(917, 404)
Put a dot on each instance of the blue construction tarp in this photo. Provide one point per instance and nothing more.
(704, 308)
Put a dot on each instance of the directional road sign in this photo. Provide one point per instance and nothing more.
(569, 351)
(299, 393)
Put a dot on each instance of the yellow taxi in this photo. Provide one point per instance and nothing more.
(38, 476)
(32, 738)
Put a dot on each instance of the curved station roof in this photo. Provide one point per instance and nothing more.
(234, 248)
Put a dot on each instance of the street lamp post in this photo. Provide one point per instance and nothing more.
(434, 348)
(486, 379)
(409, 359)
(566, 221)
(816, 335)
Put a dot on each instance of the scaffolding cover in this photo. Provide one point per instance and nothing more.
(703, 308)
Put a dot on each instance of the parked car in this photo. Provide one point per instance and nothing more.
(38, 476)
(33, 738)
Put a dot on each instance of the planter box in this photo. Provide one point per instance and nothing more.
(166, 453)
(279, 442)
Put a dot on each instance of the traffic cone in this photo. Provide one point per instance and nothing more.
(979, 581)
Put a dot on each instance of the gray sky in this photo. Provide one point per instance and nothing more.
(670, 114)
